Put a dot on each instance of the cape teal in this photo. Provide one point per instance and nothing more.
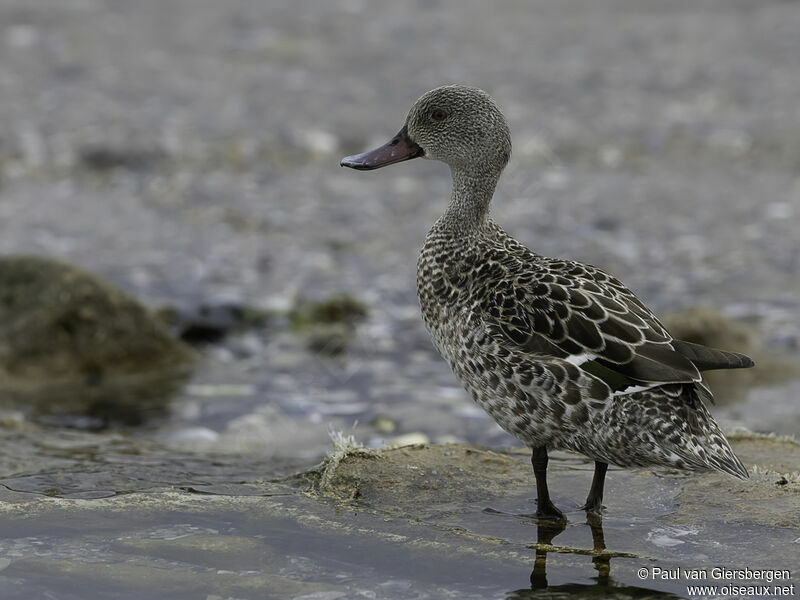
(561, 354)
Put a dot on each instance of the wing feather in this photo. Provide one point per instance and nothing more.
(707, 359)
(582, 312)
(577, 312)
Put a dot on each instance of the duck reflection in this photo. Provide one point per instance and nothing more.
(604, 586)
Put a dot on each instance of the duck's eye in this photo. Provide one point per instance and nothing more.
(438, 115)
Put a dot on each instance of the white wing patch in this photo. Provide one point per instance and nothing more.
(631, 389)
(579, 359)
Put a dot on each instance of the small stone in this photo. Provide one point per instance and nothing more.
(408, 439)
(778, 210)
(221, 389)
(22, 36)
(384, 424)
(193, 434)
(317, 141)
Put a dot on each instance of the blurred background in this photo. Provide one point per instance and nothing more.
(186, 152)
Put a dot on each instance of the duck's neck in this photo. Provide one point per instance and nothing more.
(469, 199)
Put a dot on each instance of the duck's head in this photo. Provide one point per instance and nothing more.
(459, 125)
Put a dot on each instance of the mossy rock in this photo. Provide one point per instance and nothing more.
(58, 321)
(328, 324)
(405, 478)
(209, 323)
(335, 309)
(63, 329)
(425, 481)
(710, 328)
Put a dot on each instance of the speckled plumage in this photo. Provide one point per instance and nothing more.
(559, 353)
(508, 321)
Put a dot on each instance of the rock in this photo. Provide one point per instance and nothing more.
(192, 434)
(105, 158)
(384, 424)
(769, 498)
(419, 482)
(328, 324)
(710, 328)
(71, 342)
(337, 308)
(416, 478)
(408, 439)
(209, 323)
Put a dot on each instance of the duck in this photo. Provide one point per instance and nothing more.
(561, 354)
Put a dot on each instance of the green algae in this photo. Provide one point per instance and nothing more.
(328, 324)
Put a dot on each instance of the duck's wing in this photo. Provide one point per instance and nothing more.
(583, 315)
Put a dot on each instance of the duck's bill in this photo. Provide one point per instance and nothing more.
(400, 148)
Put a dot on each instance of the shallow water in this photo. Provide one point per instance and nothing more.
(143, 523)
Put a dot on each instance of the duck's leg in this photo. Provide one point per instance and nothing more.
(545, 508)
(594, 501)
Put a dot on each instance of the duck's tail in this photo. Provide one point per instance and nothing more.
(708, 359)
(667, 425)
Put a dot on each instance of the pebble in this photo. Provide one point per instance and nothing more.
(221, 389)
(193, 434)
(408, 439)
(384, 424)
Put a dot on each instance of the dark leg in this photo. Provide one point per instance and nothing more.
(545, 508)
(594, 502)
